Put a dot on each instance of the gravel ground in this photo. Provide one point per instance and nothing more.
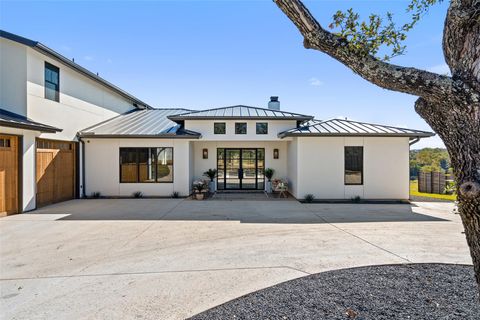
(414, 291)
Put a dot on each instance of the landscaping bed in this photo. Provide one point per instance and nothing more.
(413, 291)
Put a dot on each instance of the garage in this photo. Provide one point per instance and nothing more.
(56, 171)
(8, 175)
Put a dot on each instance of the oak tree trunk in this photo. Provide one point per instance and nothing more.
(450, 105)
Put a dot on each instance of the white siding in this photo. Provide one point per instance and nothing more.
(102, 167)
(13, 77)
(321, 168)
(205, 127)
(83, 102)
(292, 167)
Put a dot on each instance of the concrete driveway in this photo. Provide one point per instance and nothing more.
(170, 259)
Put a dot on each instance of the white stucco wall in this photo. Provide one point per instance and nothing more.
(321, 168)
(205, 127)
(201, 165)
(102, 167)
(13, 77)
(83, 102)
(292, 166)
(29, 160)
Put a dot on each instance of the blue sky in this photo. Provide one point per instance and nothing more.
(204, 54)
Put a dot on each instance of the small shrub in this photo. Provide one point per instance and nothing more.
(138, 194)
(309, 198)
(96, 194)
(450, 188)
(269, 172)
(356, 199)
(210, 173)
(175, 194)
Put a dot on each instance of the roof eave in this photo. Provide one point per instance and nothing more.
(174, 118)
(32, 127)
(136, 136)
(296, 134)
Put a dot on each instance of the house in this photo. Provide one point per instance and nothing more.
(65, 133)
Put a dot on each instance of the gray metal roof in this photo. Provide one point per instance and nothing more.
(57, 56)
(240, 112)
(341, 127)
(148, 123)
(13, 120)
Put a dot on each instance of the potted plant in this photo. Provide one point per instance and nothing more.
(199, 186)
(211, 174)
(269, 175)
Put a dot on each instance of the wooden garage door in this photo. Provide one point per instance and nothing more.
(8, 175)
(55, 171)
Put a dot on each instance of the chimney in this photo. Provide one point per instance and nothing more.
(274, 104)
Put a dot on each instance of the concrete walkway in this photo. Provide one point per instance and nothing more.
(172, 258)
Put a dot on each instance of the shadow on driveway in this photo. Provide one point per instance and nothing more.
(288, 212)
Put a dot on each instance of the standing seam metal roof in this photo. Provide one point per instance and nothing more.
(341, 127)
(240, 112)
(141, 123)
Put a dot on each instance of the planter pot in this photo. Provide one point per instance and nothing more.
(199, 196)
(268, 186)
(212, 186)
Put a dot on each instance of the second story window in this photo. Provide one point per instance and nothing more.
(241, 128)
(52, 82)
(262, 127)
(219, 128)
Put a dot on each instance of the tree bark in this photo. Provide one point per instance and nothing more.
(450, 105)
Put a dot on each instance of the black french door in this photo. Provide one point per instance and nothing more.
(240, 168)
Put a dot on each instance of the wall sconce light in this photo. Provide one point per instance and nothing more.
(205, 153)
(275, 153)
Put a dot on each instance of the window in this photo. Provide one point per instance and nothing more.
(146, 165)
(262, 128)
(241, 128)
(4, 143)
(219, 128)
(353, 165)
(52, 82)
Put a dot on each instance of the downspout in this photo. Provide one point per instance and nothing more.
(82, 143)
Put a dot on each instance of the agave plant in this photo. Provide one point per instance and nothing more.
(210, 173)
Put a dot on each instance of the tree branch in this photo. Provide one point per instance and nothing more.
(421, 83)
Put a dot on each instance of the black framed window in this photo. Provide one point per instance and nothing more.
(4, 143)
(240, 128)
(219, 128)
(262, 127)
(146, 165)
(353, 165)
(52, 82)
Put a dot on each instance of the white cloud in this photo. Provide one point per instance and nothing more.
(88, 58)
(440, 69)
(315, 82)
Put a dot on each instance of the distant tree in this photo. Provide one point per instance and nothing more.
(450, 105)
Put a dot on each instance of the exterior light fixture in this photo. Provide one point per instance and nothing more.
(275, 154)
(205, 153)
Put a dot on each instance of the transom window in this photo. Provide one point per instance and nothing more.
(240, 128)
(5, 143)
(262, 127)
(219, 128)
(353, 165)
(52, 82)
(146, 165)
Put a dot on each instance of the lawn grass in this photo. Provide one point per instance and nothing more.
(414, 192)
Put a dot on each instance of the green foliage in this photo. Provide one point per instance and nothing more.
(451, 187)
(175, 194)
(309, 198)
(377, 32)
(96, 194)
(138, 194)
(428, 160)
(269, 173)
(162, 171)
(210, 173)
(356, 199)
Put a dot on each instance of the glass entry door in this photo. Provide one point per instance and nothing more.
(240, 169)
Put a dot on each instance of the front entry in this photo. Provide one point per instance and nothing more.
(240, 169)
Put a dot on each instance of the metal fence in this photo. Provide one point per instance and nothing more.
(433, 182)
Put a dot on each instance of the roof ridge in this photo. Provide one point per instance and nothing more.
(377, 124)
